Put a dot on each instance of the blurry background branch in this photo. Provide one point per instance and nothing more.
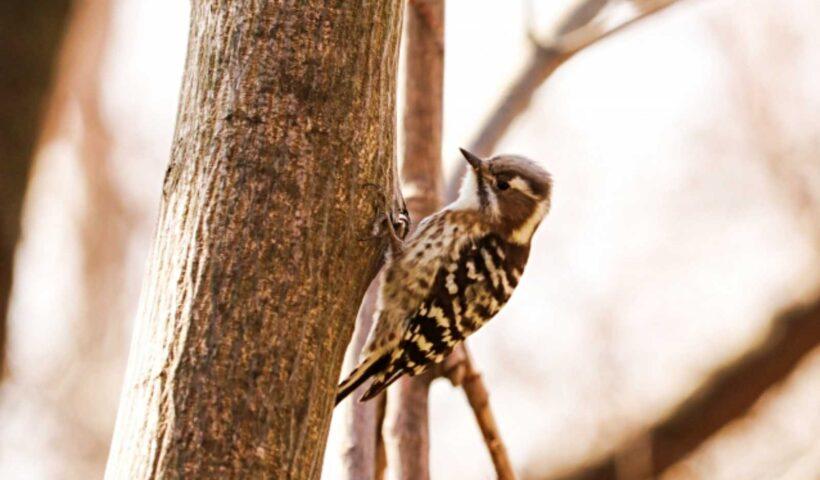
(792, 169)
(582, 27)
(361, 422)
(725, 396)
(73, 390)
(405, 429)
(30, 33)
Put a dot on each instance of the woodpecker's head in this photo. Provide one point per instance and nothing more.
(511, 192)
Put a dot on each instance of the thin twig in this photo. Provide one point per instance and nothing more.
(381, 452)
(460, 369)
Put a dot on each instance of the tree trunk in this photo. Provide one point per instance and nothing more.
(258, 267)
(30, 33)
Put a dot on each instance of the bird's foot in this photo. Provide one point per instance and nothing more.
(394, 225)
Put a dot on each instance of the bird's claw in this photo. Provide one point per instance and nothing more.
(397, 228)
(397, 224)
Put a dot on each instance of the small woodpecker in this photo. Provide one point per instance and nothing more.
(455, 272)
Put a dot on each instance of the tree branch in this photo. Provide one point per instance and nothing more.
(405, 429)
(479, 399)
(726, 396)
(30, 33)
(591, 33)
(578, 31)
(360, 418)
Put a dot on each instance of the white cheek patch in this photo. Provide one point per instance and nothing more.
(522, 186)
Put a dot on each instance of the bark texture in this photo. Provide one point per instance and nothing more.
(30, 34)
(258, 267)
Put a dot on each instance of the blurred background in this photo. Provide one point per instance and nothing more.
(671, 305)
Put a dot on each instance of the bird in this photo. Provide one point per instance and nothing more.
(454, 272)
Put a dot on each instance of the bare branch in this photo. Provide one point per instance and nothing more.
(569, 39)
(405, 429)
(361, 423)
(726, 396)
(454, 367)
(581, 38)
(479, 399)
(584, 13)
(460, 370)
(30, 33)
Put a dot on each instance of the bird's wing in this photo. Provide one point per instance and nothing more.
(407, 281)
(405, 295)
(410, 278)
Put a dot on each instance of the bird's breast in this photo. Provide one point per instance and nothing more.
(485, 277)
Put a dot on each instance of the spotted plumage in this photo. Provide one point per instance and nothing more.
(455, 272)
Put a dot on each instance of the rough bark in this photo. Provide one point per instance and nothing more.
(258, 267)
(406, 433)
(727, 395)
(30, 33)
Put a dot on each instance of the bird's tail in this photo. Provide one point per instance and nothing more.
(371, 365)
(383, 380)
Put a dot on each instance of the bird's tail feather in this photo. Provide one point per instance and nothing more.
(381, 382)
(369, 367)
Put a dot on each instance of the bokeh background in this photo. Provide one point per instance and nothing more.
(684, 235)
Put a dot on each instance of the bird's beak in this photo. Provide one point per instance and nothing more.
(474, 160)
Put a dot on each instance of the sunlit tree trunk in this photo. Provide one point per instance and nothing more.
(259, 262)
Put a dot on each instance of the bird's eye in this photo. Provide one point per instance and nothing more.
(502, 185)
